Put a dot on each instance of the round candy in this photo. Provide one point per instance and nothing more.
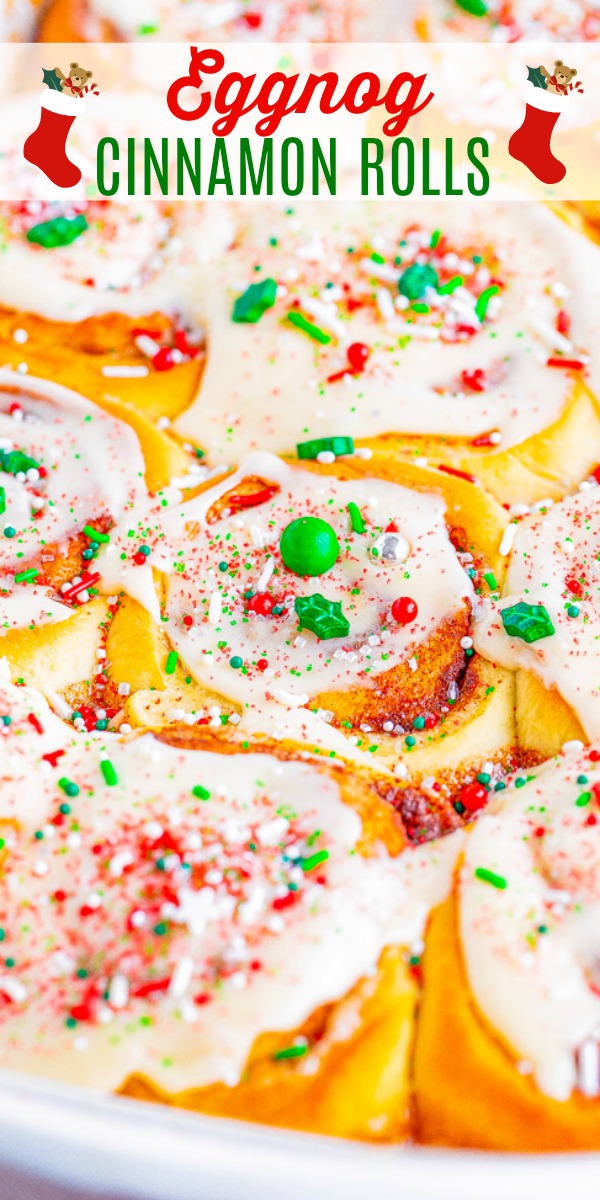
(416, 279)
(405, 610)
(309, 546)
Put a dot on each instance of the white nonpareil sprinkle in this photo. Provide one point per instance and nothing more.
(13, 988)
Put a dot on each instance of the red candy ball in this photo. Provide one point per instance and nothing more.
(473, 797)
(405, 610)
(357, 355)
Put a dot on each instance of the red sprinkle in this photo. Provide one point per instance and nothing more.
(188, 622)
(454, 471)
(262, 664)
(235, 502)
(357, 355)
(474, 380)
(405, 610)
(87, 581)
(139, 559)
(594, 755)
(569, 364)
(595, 790)
(37, 724)
(254, 21)
(184, 347)
(154, 985)
(563, 321)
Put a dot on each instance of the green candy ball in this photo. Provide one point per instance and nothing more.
(309, 546)
(416, 279)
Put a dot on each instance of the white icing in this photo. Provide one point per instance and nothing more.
(93, 466)
(538, 990)
(266, 384)
(275, 966)
(562, 543)
(190, 549)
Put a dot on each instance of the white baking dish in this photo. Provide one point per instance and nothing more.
(59, 1143)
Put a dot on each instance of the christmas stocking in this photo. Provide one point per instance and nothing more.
(531, 142)
(46, 147)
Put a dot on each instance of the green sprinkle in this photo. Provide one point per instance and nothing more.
(27, 576)
(110, 775)
(491, 580)
(435, 237)
(296, 1051)
(236, 662)
(160, 929)
(10, 531)
(483, 300)
(254, 302)
(475, 8)
(333, 445)
(497, 881)
(94, 534)
(300, 322)
(356, 520)
(171, 663)
(573, 610)
(451, 285)
(70, 1022)
(410, 741)
(2, 500)
(419, 723)
(583, 799)
(314, 860)
(201, 793)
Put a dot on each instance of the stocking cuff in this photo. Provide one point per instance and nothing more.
(546, 101)
(57, 102)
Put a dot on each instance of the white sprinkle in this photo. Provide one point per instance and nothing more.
(466, 643)
(124, 372)
(124, 689)
(575, 744)
(401, 770)
(508, 538)
(147, 346)
(41, 868)
(423, 333)
(413, 664)
(265, 575)
(138, 919)
(326, 457)
(117, 864)
(118, 991)
(13, 988)
(125, 728)
(588, 1074)
(181, 977)
(20, 336)
(381, 271)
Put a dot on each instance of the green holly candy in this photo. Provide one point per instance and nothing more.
(530, 622)
(323, 617)
(416, 279)
(250, 306)
(60, 231)
(309, 546)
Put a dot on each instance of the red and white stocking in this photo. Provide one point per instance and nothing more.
(46, 147)
(531, 142)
